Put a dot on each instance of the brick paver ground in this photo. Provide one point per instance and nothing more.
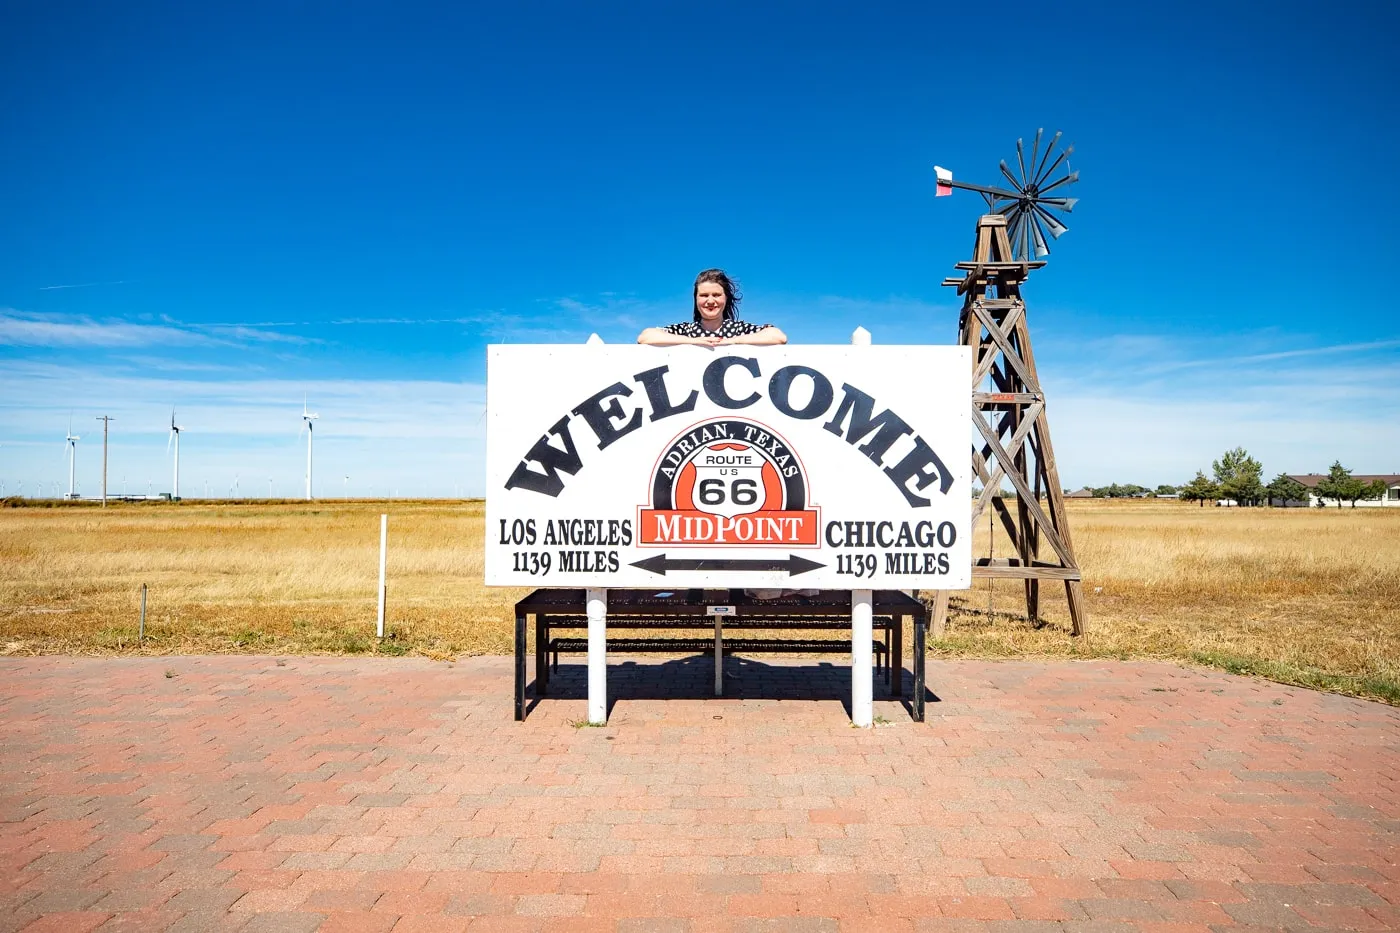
(257, 794)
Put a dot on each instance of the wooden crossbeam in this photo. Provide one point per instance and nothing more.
(1002, 339)
(1023, 489)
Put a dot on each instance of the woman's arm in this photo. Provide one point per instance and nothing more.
(661, 337)
(768, 336)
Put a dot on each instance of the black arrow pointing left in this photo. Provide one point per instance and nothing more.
(793, 564)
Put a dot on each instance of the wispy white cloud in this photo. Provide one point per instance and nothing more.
(1254, 358)
(23, 329)
(32, 329)
(51, 288)
(238, 334)
(164, 364)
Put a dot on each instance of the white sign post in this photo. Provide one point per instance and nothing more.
(862, 626)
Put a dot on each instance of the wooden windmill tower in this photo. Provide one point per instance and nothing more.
(1008, 405)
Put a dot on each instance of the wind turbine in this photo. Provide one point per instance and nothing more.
(307, 417)
(72, 453)
(174, 437)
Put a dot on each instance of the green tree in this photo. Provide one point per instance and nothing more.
(1238, 475)
(1117, 491)
(1167, 490)
(1285, 487)
(1341, 485)
(1200, 489)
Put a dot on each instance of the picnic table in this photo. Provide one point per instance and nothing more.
(650, 618)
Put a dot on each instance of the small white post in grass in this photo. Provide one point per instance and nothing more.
(862, 625)
(383, 552)
(597, 657)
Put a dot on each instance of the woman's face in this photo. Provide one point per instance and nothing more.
(709, 301)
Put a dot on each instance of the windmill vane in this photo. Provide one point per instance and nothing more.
(1035, 199)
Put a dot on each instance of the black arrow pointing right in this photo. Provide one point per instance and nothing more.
(793, 564)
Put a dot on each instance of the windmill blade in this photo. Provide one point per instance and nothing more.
(169, 437)
(1016, 232)
(1059, 204)
(1069, 179)
(1021, 160)
(1048, 149)
(1011, 232)
(1050, 170)
(1051, 223)
(1010, 177)
(1041, 248)
(1035, 150)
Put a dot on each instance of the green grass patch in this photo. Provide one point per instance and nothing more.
(1374, 686)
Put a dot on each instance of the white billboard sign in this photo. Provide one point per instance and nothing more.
(831, 467)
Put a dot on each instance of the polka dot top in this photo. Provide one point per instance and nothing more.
(730, 328)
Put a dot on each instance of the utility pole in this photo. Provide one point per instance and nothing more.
(104, 419)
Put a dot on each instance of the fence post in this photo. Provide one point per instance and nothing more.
(141, 632)
(383, 553)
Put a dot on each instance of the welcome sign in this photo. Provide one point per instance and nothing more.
(831, 467)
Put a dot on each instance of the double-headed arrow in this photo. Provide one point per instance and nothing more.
(793, 564)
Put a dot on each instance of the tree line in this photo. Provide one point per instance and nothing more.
(1238, 476)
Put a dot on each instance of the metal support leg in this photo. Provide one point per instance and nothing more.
(719, 657)
(519, 667)
(897, 657)
(920, 624)
(541, 654)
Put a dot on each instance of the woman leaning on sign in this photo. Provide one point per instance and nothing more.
(715, 322)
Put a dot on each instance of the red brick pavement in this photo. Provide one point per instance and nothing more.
(232, 793)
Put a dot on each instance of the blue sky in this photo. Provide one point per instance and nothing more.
(225, 208)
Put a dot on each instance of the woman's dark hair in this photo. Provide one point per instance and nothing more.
(732, 295)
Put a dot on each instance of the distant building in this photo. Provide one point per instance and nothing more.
(1085, 493)
(1391, 499)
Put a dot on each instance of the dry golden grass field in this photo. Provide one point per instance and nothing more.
(1310, 597)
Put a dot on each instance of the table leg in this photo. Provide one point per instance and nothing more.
(719, 657)
(541, 655)
(920, 624)
(897, 657)
(520, 667)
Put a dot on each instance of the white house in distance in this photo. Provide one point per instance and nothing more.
(1391, 499)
